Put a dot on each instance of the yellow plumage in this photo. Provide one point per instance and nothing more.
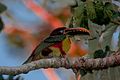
(64, 45)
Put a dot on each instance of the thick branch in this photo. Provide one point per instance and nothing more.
(95, 64)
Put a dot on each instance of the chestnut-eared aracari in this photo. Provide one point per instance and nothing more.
(57, 44)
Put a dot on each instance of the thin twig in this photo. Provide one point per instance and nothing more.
(115, 22)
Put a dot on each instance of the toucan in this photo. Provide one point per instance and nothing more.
(57, 44)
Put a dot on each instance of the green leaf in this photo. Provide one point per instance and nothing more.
(1, 24)
(108, 8)
(90, 9)
(1, 77)
(83, 72)
(103, 13)
(2, 7)
(99, 54)
(98, 5)
(78, 14)
(84, 22)
(115, 15)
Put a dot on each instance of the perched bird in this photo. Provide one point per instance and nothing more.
(57, 44)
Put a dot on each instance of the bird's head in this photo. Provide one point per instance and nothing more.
(60, 34)
(76, 31)
(70, 31)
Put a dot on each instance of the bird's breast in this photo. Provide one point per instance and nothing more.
(61, 48)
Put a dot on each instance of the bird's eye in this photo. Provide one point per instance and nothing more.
(61, 31)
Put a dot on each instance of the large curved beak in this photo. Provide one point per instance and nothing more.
(77, 31)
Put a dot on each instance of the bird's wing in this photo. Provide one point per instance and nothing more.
(55, 39)
(36, 54)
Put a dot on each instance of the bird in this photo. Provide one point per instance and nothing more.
(57, 44)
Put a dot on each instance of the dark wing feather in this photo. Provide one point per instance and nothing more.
(37, 51)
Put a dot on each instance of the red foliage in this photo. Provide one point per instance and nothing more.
(77, 50)
(41, 12)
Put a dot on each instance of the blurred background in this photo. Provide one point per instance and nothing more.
(27, 23)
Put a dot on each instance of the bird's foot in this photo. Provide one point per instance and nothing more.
(67, 60)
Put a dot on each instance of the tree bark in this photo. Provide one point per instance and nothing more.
(92, 64)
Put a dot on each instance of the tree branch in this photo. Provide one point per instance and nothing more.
(116, 21)
(96, 64)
